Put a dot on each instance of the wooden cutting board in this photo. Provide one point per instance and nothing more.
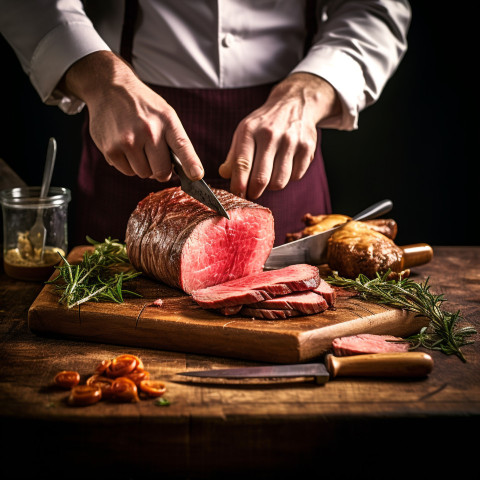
(181, 325)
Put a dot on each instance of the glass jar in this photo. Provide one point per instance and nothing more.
(19, 207)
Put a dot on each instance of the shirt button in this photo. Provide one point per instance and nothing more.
(227, 40)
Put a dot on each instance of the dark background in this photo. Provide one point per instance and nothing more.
(416, 146)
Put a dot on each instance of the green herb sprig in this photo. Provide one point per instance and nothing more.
(98, 277)
(442, 332)
(162, 402)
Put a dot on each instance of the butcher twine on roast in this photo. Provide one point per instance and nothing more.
(173, 238)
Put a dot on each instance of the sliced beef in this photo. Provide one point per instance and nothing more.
(283, 306)
(307, 303)
(258, 287)
(327, 292)
(173, 238)
(233, 310)
(267, 314)
(343, 292)
(368, 343)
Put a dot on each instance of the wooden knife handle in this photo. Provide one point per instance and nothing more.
(408, 364)
(416, 254)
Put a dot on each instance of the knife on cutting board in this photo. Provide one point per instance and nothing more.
(197, 189)
(404, 364)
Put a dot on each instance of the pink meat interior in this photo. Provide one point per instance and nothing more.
(220, 250)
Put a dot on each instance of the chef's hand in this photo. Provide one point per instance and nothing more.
(130, 124)
(275, 144)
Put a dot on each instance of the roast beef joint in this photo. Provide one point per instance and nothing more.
(173, 238)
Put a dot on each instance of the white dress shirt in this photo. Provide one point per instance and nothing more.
(216, 43)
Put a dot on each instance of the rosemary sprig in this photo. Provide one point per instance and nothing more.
(442, 332)
(98, 277)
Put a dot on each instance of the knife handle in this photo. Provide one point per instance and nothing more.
(408, 364)
(416, 254)
(374, 211)
(177, 165)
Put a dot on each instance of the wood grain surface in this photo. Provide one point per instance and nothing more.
(183, 326)
(377, 428)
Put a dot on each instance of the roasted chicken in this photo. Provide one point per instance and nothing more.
(319, 223)
(366, 247)
(357, 248)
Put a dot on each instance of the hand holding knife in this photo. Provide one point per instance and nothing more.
(197, 189)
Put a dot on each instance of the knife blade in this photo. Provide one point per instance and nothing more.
(405, 364)
(197, 189)
(313, 249)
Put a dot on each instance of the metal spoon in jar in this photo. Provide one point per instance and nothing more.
(38, 232)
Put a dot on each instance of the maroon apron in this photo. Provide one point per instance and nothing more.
(106, 197)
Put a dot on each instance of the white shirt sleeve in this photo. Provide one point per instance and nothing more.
(358, 45)
(357, 48)
(58, 34)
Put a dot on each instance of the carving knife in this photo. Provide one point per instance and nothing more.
(197, 189)
(405, 364)
(313, 249)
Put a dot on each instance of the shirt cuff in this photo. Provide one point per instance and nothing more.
(345, 75)
(57, 51)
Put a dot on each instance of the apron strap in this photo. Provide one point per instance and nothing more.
(128, 29)
(310, 23)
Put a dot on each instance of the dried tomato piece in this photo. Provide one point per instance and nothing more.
(104, 383)
(129, 356)
(138, 375)
(125, 390)
(153, 388)
(121, 365)
(102, 367)
(83, 395)
(67, 379)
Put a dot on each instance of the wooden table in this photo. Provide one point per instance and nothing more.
(386, 427)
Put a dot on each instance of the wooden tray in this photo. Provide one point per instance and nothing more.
(181, 325)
